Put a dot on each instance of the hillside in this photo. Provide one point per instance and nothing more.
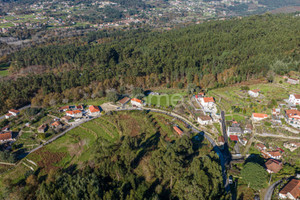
(125, 155)
(208, 55)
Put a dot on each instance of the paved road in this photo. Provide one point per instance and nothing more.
(2, 117)
(224, 126)
(270, 190)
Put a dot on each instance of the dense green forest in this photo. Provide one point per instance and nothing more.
(211, 54)
(137, 167)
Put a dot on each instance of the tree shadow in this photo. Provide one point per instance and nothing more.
(255, 158)
(149, 144)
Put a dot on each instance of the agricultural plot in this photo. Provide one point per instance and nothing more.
(164, 100)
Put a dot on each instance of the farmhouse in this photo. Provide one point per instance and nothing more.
(12, 113)
(273, 166)
(234, 138)
(292, 146)
(64, 108)
(5, 137)
(66, 118)
(259, 116)
(254, 93)
(293, 117)
(234, 130)
(276, 111)
(274, 154)
(290, 190)
(94, 110)
(260, 146)
(124, 101)
(292, 81)
(178, 130)
(136, 102)
(207, 101)
(42, 128)
(204, 120)
(294, 99)
(74, 113)
(56, 124)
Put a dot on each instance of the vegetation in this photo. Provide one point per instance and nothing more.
(254, 175)
(149, 59)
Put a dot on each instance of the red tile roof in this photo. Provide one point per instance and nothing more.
(293, 113)
(273, 165)
(297, 96)
(136, 100)
(73, 112)
(256, 90)
(6, 136)
(259, 115)
(221, 139)
(178, 130)
(56, 123)
(14, 111)
(274, 153)
(94, 109)
(293, 187)
(208, 99)
(8, 114)
(234, 137)
(124, 100)
(64, 108)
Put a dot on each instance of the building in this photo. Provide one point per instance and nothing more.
(243, 141)
(293, 117)
(124, 101)
(294, 99)
(221, 140)
(261, 147)
(12, 113)
(276, 111)
(234, 138)
(291, 190)
(74, 113)
(254, 93)
(42, 128)
(292, 146)
(6, 137)
(66, 118)
(94, 110)
(259, 116)
(79, 107)
(64, 108)
(56, 124)
(204, 120)
(273, 166)
(248, 128)
(274, 154)
(136, 102)
(234, 130)
(207, 101)
(178, 130)
(292, 81)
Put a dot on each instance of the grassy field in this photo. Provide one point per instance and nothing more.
(78, 146)
(4, 69)
(164, 100)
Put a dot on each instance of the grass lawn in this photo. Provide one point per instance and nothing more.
(164, 100)
(4, 68)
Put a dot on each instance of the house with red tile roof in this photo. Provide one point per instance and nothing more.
(6, 137)
(56, 124)
(221, 140)
(292, 81)
(293, 117)
(64, 108)
(291, 190)
(136, 102)
(94, 110)
(274, 154)
(178, 130)
(204, 120)
(294, 99)
(261, 146)
(254, 93)
(259, 116)
(234, 138)
(74, 113)
(273, 166)
(12, 113)
(124, 101)
(42, 128)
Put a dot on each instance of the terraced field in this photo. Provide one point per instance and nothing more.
(77, 147)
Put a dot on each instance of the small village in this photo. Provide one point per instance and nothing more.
(241, 137)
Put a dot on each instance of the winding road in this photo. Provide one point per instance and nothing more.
(270, 190)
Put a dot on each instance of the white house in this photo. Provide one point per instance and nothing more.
(254, 93)
(207, 101)
(293, 117)
(12, 113)
(294, 99)
(74, 113)
(136, 102)
(234, 131)
(259, 116)
(292, 81)
(94, 110)
(204, 120)
(291, 190)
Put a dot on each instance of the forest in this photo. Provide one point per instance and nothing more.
(209, 55)
(136, 167)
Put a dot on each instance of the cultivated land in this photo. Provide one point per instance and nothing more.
(77, 147)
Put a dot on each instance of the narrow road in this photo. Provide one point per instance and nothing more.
(278, 136)
(224, 126)
(270, 190)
